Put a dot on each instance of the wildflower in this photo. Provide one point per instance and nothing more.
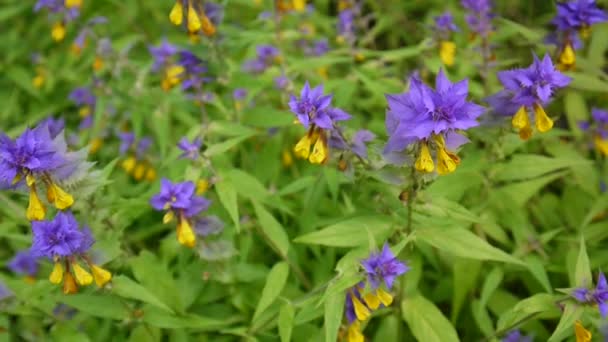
(55, 126)
(195, 15)
(526, 90)
(24, 263)
(62, 12)
(80, 41)
(63, 241)
(597, 296)
(383, 267)
(346, 26)
(85, 100)
(239, 95)
(35, 158)
(190, 149)
(444, 26)
(281, 82)
(266, 55)
(599, 129)
(431, 120)
(581, 334)
(103, 52)
(516, 336)
(193, 69)
(313, 111)
(136, 164)
(178, 200)
(5, 292)
(162, 54)
(479, 17)
(360, 138)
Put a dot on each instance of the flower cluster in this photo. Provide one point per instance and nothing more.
(24, 263)
(479, 17)
(266, 56)
(597, 296)
(431, 120)
(66, 244)
(599, 129)
(196, 16)
(136, 163)
(528, 89)
(444, 26)
(179, 201)
(190, 150)
(64, 11)
(573, 22)
(85, 100)
(380, 268)
(346, 22)
(313, 110)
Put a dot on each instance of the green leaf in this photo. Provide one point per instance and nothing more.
(128, 288)
(334, 310)
(576, 110)
(349, 233)
(517, 194)
(582, 272)
(465, 275)
(98, 305)
(565, 327)
(526, 166)
(464, 244)
(587, 82)
(272, 229)
(266, 117)
(530, 35)
(526, 309)
(247, 185)
(162, 319)
(226, 145)
(227, 194)
(537, 268)
(274, 285)
(426, 321)
(286, 316)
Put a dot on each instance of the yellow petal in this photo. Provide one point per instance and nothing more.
(57, 274)
(320, 152)
(361, 311)
(582, 334)
(601, 144)
(543, 121)
(128, 164)
(177, 13)
(447, 52)
(58, 32)
(354, 333)
(286, 158)
(302, 148)
(30, 180)
(520, 119)
(169, 216)
(83, 277)
(61, 199)
(139, 172)
(150, 174)
(194, 22)
(424, 163)
(69, 284)
(73, 3)
(385, 297)
(525, 133)
(185, 234)
(207, 26)
(299, 5)
(585, 31)
(95, 145)
(17, 179)
(101, 275)
(371, 300)
(445, 163)
(84, 111)
(35, 210)
(97, 63)
(38, 81)
(567, 56)
(202, 185)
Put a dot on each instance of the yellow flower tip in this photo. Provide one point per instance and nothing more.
(75, 49)
(36, 209)
(320, 152)
(567, 57)
(424, 163)
(168, 217)
(207, 26)
(520, 119)
(58, 31)
(601, 144)
(322, 71)
(343, 4)
(371, 300)
(185, 234)
(525, 133)
(83, 277)
(354, 333)
(128, 164)
(385, 298)
(139, 171)
(446, 161)
(95, 145)
(361, 311)
(177, 13)
(73, 3)
(194, 38)
(543, 121)
(299, 5)
(194, 22)
(340, 40)
(30, 180)
(202, 185)
(69, 284)
(447, 52)
(98, 63)
(56, 195)
(101, 275)
(56, 275)
(286, 158)
(150, 174)
(38, 81)
(84, 111)
(582, 334)
(172, 77)
(17, 179)
(302, 148)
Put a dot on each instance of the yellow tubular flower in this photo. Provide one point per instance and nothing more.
(185, 234)
(446, 161)
(582, 334)
(202, 185)
(128, 164)
(371, 300)
(35, 210)
(69, 284)
(521, 121)
(168, 217)
(286, 158)
(95, 145)
(82, 276)
(567, 57)
(320, 152)
(194, 22)
(299, 5)
(172, 77)
(101, 275)
(98, 63)
(424, 163)
(354, 333)
(150, 174)
(302, 148)
(385, 298)
(447, 52)
(601, 144)
(58, 32)
(207, 26)
(61, 199)
(543, 121)
(56, 275)
(73, 3)
(361, 311)
(139, 171)
(177, 13)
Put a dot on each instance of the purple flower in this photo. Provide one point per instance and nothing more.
(82, 96)
(126, 141)
(142, 147)
(178, 197)
(5, 292)
(162, 54)
(360, 138)
(206, 226)
(24, 263)
(190, 149)
(383, 267)
(60, 237)
(516, 336)
(445, 23)
(239, 93)
(265, 57)
(346, 26)
(353, 296)
(213, 11)
(578, 14)
(320, 47)
(314, 108)
(480, 16)
(597, 296)
(281, 82)
(55, 126)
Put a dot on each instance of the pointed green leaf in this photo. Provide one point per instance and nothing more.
(426, 321)
(349, 233)
(274, 285)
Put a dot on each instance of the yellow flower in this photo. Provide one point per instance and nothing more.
(58, 31)
(177, 13)
(447, 52)
(424, 163)
(582, 334)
